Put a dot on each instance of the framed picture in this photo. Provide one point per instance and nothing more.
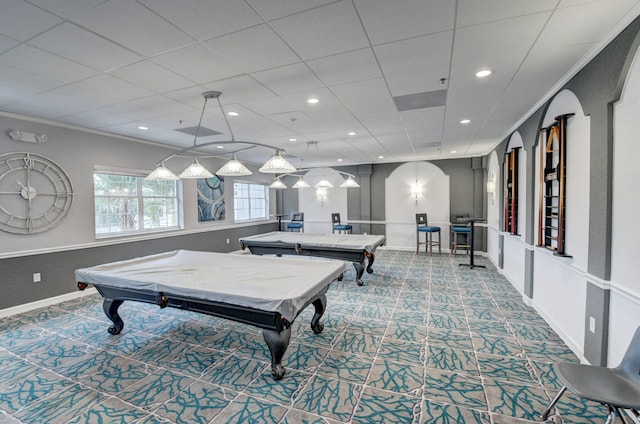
(211, 199)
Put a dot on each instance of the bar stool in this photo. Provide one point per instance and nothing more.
(297, 222)
(422, 227)
(335, 221)
(458, 232)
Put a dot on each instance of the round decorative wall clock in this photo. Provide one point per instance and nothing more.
(35, 193)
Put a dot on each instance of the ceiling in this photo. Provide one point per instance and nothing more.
(399, 74)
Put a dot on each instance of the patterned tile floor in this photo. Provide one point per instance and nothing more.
(424, 341)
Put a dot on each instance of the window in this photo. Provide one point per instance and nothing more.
(250, 201)
(129, 204)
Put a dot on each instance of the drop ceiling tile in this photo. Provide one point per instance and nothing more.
(473, 12)
(96, 119)
(66, 8)
(74, 43)
(112, 88)
(21, 20)
(576, 25)
(128, 23)
(197, 63)
(346, 67)
(515, 35)
(273, 9)
(326, 30)
(384, 21)
(288, 79)
(253, 49)
(43, 63)
(238, 89)
(204, 19)
(164, 106)
(60, 102)
(151, 76)
(7, 43)
(25, 83)
(367, 99)
(420, 54)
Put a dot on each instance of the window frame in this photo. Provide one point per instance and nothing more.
(140, 198)
(251, 218)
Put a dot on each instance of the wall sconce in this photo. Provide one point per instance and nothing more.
(416, 191)
(321, 193)
(18, 135)
(491, 186)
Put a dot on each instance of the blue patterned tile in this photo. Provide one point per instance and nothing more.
(43, 314)
(330, 398)
(440, 413)
(406, 332)
(161, 352)
(112, 411)
(449, 359)
(497, 328)
(454, 388)
(68, 403)
(536, 333)
(506, 368)
(56, 350)
(115, 377)
(408, 317)
(198, 403)
(368, 326)
(28, 389)
(14, 371)
(449, 322)
(125, 343)
(451, 338)
(546, 375)
(397, 377)
(515, 399)
(235, 373)
(377, 406)
(357, 343)
(83, 328)
(284, 391)
(497, 345)
(193, 332)
(196, 361)
(573, 409)
(88, 364)
(399, 351)
(230, 339)
(20, 334)
(250, 410)
(346, 366)
(295, 416)
(304, 357)
(376, 309)
(548, 352)
(152, 391)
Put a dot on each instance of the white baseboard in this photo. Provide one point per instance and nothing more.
(15, 310)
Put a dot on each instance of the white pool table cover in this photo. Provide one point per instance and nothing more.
(283, 285)
(345, 241)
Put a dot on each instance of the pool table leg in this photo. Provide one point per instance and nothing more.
(110, 307)
(320, 304)
(359, 271)
(278, 343)
(372, 258)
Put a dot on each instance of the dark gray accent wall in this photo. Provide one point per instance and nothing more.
(56, 268)
(595, 343)
(528, 273)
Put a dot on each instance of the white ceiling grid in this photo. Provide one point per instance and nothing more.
(113, 65)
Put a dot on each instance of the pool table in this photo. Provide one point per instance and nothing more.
(353, 248)
(254, 290)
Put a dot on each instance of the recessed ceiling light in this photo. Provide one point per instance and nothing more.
(292, 139)
(233, 113)
(220, 146)
(351, 133)
(483, 73)
(453, 151)
(380, 157)
(313, 101)
(340, 160)
(143, 128)
(465, 121)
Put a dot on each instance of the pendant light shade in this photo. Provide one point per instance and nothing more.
(324, 183)
(195, 170)
(162, 173)
(350, 182)
(301, 184)
(278, 184)
(234, 168)
(277, 165)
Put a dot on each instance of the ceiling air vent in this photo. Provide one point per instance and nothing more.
(421, 100)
